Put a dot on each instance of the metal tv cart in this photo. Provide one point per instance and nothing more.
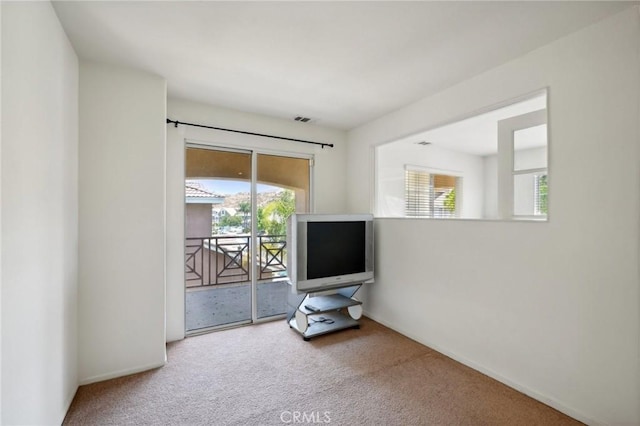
(313, 314)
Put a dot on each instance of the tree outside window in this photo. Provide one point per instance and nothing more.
(541, 195)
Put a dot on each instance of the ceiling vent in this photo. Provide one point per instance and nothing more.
(302, 119)
(423, 143)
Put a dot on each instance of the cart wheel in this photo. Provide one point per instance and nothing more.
(306, 339)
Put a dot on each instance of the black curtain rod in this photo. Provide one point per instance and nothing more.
(176, 122)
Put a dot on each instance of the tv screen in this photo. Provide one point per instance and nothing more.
(329, 251)
(335, 248)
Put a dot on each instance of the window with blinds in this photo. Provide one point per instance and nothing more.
(430, 195)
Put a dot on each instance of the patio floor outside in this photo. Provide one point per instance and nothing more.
(226, 304)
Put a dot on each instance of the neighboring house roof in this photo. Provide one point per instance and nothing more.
(231, 211)
(228, 211)
(195, 193)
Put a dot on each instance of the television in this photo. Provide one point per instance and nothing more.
(329, 251)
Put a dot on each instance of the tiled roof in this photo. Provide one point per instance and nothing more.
(196, 190)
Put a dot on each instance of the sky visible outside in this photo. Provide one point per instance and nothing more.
(228, 187)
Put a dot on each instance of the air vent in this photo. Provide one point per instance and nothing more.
(423, 143)
(302, 119)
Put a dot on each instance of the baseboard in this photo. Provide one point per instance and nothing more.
(120, 373)
(551, 402)
(68, 405)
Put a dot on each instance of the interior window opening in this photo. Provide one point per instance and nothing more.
(500, 155)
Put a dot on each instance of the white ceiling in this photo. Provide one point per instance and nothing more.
(478, 135)
(340, 63)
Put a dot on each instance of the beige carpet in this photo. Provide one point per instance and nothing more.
(267, 375)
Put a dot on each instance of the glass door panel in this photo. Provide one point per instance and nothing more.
(217, 238)
(282, 188)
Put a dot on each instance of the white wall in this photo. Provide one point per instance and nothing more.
(391, 161)
(550, 308)
(39, 215)
(1, 73)
(122, 221)
(329, 174)
(490, 202)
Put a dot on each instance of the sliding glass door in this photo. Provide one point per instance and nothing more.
(283, 189)
(236, 206)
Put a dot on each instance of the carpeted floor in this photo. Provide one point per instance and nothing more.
(267, 375)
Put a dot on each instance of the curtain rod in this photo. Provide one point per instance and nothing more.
(176, 122)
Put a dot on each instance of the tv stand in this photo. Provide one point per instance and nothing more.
(315, 315)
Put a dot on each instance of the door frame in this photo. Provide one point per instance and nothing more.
(254, 153)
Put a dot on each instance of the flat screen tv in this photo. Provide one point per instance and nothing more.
(329, 251)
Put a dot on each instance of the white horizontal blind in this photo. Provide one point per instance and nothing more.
(418, 193)
(429, 195)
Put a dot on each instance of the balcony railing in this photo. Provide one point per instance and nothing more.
(225, 259)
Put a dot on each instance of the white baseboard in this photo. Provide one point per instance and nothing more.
(551, 402)
(120, 373)
(68, 405)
